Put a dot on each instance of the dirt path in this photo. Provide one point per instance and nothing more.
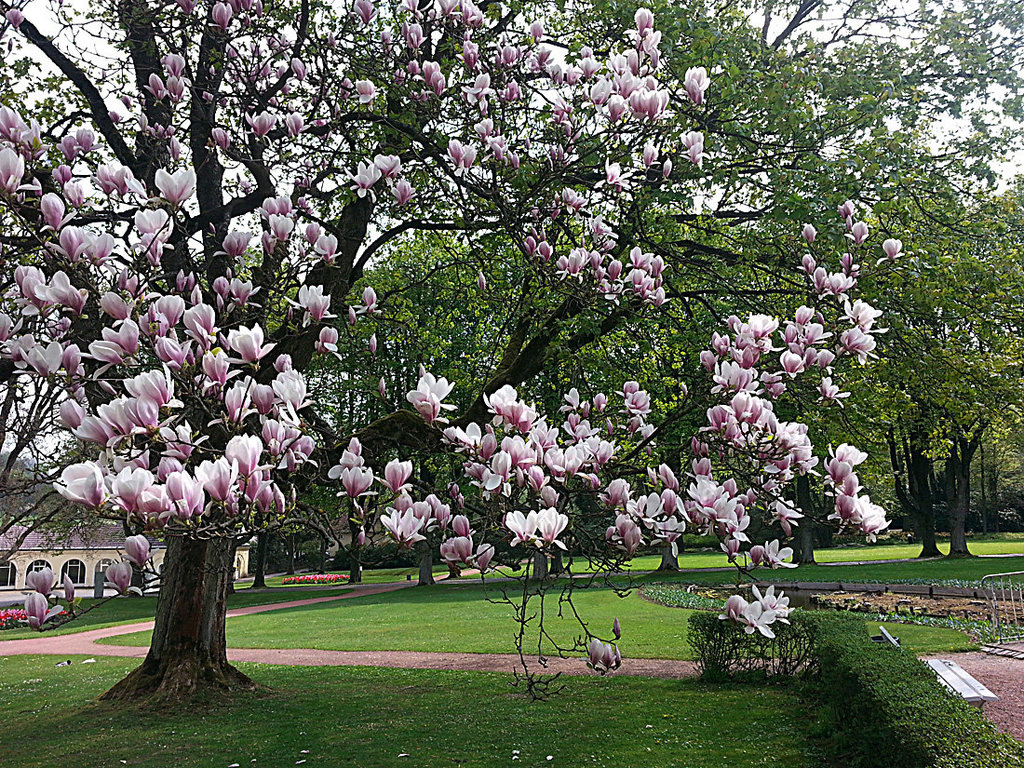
(85, 643)
(1003, 676)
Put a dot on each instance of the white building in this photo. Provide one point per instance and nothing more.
(82, 556)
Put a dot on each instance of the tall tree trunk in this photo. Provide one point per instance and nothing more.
(355, 567)
(805, 503)
(923, 512)
(426, 576)
(669, 561)
(188, 652)
(540, 566)
(259, 574)
(958, 488)
(556, 566)
(913, 472)
(291, 554)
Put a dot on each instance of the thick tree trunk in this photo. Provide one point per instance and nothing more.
(188, 652)
(669, 561)
(958, 491)
(556, 566)
(259, 574)
(917, 496)
(540, 566)
(426, 576)
(805, 502)
(805, 542)
(922, 514)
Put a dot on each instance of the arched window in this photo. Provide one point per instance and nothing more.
(37, 565)
(74, 570)
(8, 574)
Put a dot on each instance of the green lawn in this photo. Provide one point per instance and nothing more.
(960, 570)
(376, 576)
(125, 610)
(366, 718)
(459, 619)
(990, 544)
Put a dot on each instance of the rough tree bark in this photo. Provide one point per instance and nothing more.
(958, 487)
(669, 562)
(188, 652)
(556, 566)
(355, 568)
(540, 566)
(912, 470)
(805, 502)
(426, 574)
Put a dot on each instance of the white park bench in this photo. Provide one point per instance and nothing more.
(950, 674)
(955, 677)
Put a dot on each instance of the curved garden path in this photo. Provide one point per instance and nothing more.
(85, 643)
(1004, 676)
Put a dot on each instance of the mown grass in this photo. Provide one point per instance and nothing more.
(127, 610)
(375, 576)
(348, 717)
(988, 544)
(462, 619)
(967, 571)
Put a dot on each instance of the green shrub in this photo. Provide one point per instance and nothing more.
(723, 651)
(881, 707)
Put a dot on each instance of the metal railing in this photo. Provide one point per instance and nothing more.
(1005, 593)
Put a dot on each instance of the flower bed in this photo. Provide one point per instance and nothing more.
(316, 578)
(13, 617)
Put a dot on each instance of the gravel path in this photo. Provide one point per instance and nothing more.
(85, 643)
(1003, 676)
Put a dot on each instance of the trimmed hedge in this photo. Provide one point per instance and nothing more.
(882, 707)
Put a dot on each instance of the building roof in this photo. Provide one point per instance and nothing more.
(103, 536)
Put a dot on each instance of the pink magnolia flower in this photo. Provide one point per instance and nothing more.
(218, 477)
(696, 83)
(356, 481)
(428, 396)
(523, 527)
(120, 574)
(83, 484)
(37, 609)
(397, 474)
(248, 343)
(603, 657)
(176, 187)
(245, 450)
(136, 549)
(12, 169)
(41, 581)
(404, 527)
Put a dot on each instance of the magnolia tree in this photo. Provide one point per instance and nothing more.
(188, 235)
